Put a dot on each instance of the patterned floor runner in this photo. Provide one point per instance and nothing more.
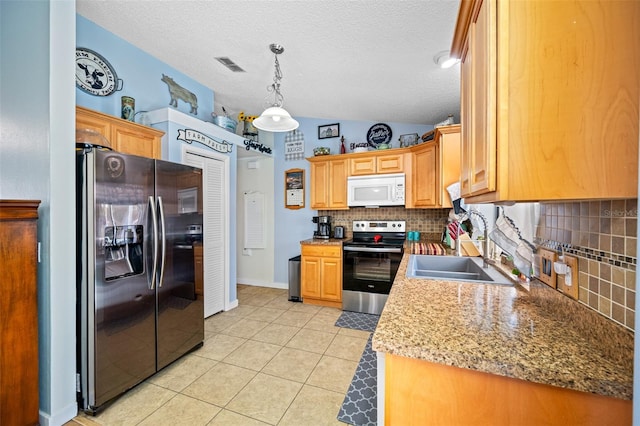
(358, 321)
(359, 407)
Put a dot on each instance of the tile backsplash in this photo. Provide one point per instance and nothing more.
(429, 222)
(602, 235)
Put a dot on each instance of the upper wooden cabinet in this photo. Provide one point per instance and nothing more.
(125, 136)
(329, 182)
(433, 166)
(376, 163)
(549, 99)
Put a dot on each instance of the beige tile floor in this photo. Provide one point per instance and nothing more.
(267, 362)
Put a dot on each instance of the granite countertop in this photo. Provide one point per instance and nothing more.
(324, 241)
(538, 335)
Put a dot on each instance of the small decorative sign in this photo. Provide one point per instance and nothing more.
(190, 136)
(256, 146)
(294, 146)
(379, 134)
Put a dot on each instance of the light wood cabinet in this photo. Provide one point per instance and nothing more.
(377, 163)
(433, 166)
(457, 396)
(198, 265)
(18, 313)
(125, 136)
(328, 183)
(424, 176)
(321, 275)
(544, 117)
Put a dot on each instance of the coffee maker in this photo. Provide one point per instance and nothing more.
(323, 227)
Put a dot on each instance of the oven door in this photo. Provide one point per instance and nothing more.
(370, 269)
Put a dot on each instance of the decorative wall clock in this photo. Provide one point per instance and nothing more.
(94, 74)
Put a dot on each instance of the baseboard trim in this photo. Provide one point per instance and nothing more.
(259, 283)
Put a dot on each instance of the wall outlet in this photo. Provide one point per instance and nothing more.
(568, 282)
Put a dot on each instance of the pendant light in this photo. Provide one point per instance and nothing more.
(275, 118)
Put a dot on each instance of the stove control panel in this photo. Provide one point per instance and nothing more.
(379, 226)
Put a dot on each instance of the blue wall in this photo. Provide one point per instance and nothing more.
(140, 72)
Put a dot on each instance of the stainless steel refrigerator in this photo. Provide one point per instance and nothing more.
(138, 308)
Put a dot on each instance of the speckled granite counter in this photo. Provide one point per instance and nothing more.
(538, 335)
(323, 242)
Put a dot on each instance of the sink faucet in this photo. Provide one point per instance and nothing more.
(485, 242)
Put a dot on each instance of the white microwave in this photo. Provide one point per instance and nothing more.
(376, 190)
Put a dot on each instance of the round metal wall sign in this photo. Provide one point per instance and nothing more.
(379, 134)
(94, 74)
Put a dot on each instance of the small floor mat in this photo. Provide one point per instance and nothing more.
(358, 321)
(360, 405)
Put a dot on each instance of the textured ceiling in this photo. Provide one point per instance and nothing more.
(350, 59)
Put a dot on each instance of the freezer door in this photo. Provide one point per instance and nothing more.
(118, 298)
(180, 308)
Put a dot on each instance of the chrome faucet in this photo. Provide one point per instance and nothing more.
(485, 242)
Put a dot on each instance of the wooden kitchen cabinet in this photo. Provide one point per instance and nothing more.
(125, 136)
(543, 117)
(321, 275)
(198, 265)
(19, 313)
(329, 183)
(376, 163)
(433, 166)
(457, 396)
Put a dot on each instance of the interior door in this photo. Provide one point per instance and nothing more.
(180, 325)
(215, 230)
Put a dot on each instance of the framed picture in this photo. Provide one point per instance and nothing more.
(294, 188)
(329, 131)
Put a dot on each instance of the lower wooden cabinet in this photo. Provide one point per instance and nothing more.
(321, 275)
(125, 136)
(198, 265)
(424, 393)
(18, 313)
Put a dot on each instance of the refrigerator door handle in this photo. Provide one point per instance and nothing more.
(154, 226)
(164, 245)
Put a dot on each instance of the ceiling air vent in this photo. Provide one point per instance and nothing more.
(229, 64)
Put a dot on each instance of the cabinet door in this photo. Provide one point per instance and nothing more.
(389, 163)
(338, 172)
(362, 166)
(199, 272)
(478, 91)
(310, 276)
(331, 288)
(425, 176)
(320, 185)
(85, 120)
(135, 142)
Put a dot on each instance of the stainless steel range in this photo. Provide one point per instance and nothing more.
(370, 262)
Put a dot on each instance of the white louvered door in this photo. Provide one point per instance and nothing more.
(215, 198)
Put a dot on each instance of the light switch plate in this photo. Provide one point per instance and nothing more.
(571, 290)
(547, 274)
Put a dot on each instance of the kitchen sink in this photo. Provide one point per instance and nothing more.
(454, 268)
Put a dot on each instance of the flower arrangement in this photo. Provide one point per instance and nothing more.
(247, 118)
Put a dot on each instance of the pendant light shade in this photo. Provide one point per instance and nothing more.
(275, 118)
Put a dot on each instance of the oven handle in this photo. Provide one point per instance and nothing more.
(373, 249)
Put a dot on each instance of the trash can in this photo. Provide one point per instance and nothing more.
(294, 279)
